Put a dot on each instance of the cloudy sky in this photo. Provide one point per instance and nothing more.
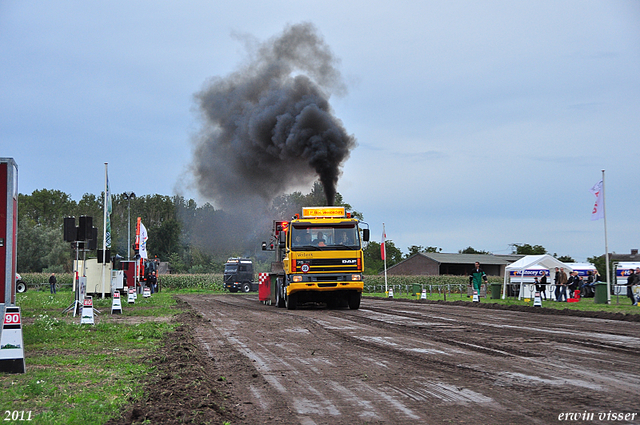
(478, 124)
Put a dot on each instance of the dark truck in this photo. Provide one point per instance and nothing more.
(238, 275)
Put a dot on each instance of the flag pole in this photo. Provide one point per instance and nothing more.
(384, 248)
(606, 243)
(104, 229)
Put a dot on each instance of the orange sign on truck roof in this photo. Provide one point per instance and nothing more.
(309, 212)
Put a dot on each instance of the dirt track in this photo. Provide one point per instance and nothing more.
(394, 362)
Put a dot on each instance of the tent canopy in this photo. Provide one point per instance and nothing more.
(546, 261)
(534, 261)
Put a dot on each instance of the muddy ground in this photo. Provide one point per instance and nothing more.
(241, 362)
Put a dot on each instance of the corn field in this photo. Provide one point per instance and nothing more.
(214, 282)
(452, 284)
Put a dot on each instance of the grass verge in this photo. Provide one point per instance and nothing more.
(83, 374)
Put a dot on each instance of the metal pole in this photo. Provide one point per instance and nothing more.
(384, 248)
(128, 228)
(606, 243)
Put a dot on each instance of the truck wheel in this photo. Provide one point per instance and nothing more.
(246, 287)
(354, 300)
(21, 287)
(292, 301)
(279, 297)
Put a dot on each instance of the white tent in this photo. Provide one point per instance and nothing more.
(533, 261)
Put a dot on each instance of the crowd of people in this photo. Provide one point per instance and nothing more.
(573, 282)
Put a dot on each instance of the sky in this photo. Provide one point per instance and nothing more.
(479, 124)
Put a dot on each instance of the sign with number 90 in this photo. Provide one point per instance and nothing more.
(12, 318)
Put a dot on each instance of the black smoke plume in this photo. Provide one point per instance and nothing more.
(268, 127)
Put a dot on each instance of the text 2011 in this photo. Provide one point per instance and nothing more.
(17, 415)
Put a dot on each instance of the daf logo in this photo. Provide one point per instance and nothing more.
(349, 261)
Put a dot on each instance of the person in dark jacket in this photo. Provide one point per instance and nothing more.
(52, 283)
(573, 283)
(541, 286)
(632, 280)
(588, 285)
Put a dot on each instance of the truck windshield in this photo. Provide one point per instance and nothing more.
(230, 268)
(327, 237)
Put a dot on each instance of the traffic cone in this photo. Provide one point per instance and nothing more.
(131, 298)
(116, 305)
(87, 312)
(424, 294)
(537, 300)
(476, 299)
(390, 292)
(11, 342)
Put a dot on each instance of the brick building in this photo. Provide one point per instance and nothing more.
(452, 264)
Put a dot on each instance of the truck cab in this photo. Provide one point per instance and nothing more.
(319, 259)
(238, 275)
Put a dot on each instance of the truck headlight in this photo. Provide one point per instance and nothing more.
(356, 277)
(297, 278)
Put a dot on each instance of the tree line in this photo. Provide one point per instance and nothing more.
(192, 238)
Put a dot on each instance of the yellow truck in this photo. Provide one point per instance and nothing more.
(318, 259)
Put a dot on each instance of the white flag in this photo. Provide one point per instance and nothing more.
(109, 208)
(143, 241)
(598, 208)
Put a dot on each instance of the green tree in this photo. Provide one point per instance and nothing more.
(164, 239)
(470, 250)
(373, 263)
(565, 259)
(526, 249)
(45, 207)
(600, 262)
(41, 247)
(414, 249)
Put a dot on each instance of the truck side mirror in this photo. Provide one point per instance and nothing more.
(365, 235)
(282, 238)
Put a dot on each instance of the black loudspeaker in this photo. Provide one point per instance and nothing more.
(84, 228)
(100, 255)
(93, 242)
(69, 229)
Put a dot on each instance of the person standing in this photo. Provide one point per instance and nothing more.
(631, 281)
(556, 282)
(562, 284)
(52, 283)
(477, 277)
(542, 286)
(153, 280)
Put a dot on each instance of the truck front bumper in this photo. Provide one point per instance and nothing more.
(294, 287)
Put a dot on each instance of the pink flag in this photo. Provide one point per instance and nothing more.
(598, 208)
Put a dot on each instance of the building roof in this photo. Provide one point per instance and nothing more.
(441, 258)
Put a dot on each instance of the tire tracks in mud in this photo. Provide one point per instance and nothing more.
(454, 355)
(527, 333)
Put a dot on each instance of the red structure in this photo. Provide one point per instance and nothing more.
(264, 287)
(8, 230)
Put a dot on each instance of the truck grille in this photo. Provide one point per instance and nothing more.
(330, 264)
